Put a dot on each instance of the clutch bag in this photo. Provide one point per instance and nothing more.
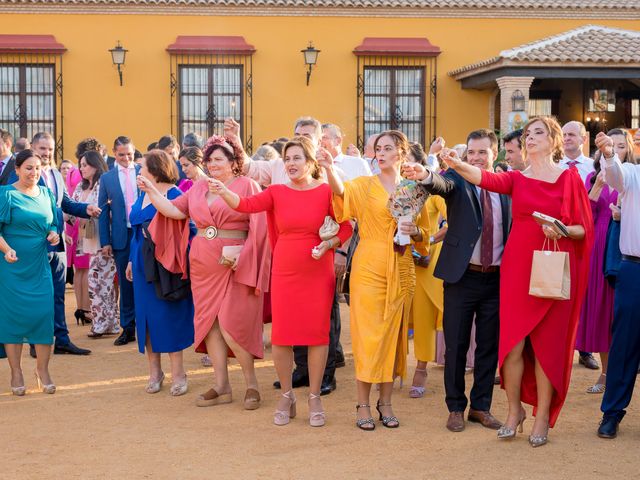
(329, 228)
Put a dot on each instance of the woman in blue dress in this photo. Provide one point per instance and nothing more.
(27, 226)
(162, 326)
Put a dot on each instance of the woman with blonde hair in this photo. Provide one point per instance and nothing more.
(537, 335)
(382, 280)
(302, 279)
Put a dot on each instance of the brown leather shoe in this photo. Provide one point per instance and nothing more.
(484, 418)
(455, 423)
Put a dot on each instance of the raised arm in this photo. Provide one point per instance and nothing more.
(162, 204)
(326, 161)
(614, 173)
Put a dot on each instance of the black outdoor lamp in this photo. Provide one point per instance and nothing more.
(310, 59)
(517, 101)
(118, 56)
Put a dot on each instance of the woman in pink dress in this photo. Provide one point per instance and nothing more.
(594, 329)
(227, 299)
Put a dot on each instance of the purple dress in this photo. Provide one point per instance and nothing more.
(594, 329)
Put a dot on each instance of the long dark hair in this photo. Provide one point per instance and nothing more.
(95, 160)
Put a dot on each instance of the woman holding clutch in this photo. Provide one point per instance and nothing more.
(303, 279)
(228, 300)
(537, 335)
(382, 280)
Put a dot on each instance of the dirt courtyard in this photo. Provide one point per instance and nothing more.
(101, 424)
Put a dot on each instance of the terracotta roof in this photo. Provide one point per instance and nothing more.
(418, 47)
(590, 44)
(470, 8)
(30, 44)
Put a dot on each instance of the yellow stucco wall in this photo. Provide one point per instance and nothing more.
(95, 104)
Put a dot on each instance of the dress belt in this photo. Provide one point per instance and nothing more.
(479, 268)
(631, 258)
(212, 232)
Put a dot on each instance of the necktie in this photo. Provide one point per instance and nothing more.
(486, 247)
(572, 163)
(1, 167)
(128, 191)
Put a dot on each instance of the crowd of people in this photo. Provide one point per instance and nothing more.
(199, 244)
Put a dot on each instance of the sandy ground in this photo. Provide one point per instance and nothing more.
(101, 424)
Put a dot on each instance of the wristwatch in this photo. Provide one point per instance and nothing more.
(432, 239)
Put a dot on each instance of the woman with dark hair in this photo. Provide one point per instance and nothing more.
(162, 326)
(191, 161)
(303, 279)
(596, 318)
(227, 298)
(170, 145)
(500, 167)
(27, 225)
(85, 243)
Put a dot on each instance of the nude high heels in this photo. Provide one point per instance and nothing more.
(19, 391)
(48, 389)
(316, 419)
(282, 417)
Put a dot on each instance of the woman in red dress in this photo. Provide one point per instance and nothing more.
(302, 276)
(537, 335)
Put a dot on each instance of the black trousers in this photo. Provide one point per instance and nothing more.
(476, 294)
(300, 352)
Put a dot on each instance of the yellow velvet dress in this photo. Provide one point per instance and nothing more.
(428, 298)
(382, 283)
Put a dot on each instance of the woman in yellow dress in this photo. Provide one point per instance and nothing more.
(382, 281)
(428, 298)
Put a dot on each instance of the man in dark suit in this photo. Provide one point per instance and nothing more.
(118, 192)
(44, 145)
(469, 263)
(7, 163)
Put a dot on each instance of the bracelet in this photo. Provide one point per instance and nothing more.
(344, 254)
(432, 239)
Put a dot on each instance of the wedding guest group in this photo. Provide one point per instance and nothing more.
(194, 243)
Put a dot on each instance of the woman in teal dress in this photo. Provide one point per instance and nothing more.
(27, 225)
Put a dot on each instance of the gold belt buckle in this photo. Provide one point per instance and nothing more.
(210, 233)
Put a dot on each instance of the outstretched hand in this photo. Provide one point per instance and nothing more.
(604, 144)
(414, 171)
(231, 129)
(450, 157)
(216, 187)
(325, 159)
(93, 211)
(144, 184)
(437, 146)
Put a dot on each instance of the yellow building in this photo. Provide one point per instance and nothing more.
(428, 67)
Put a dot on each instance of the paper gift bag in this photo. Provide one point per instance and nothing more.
(550, 275)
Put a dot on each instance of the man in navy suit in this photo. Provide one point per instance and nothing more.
(118, 192)
(479, 222)
(44, 145)
(7, 163)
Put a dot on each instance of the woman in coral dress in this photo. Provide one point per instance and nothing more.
(594, 329)
(227, 300)
(382, 281)
(302, 280)
(537, 335)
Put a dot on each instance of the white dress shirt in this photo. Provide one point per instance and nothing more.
(131, 178)
(583, 164)
(498, 241)
(432, 162)
(353, 167)
(373, 165)
(625, 178)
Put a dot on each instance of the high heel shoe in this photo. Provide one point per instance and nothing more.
(155, 387)
(316, 419)
(366, 424)
(389, 422)
(178, 389)
(418, 391)
(539, 440)
(282, 417)
(505, 432)
(49, 389)
(19, 391)
(81, 316)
